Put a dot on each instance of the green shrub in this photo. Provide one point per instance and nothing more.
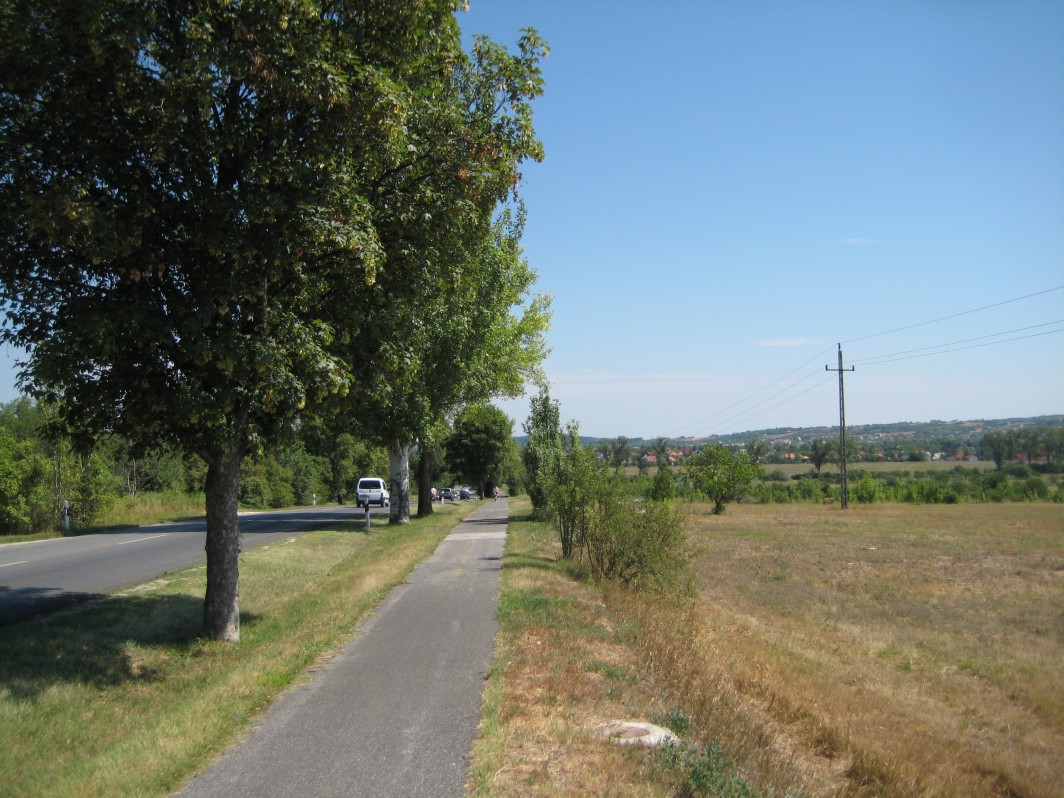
(663, 488)
(866, 490)
(639, 545)
(1035, 488)
(810, 489)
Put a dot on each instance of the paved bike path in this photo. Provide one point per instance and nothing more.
(395, 714)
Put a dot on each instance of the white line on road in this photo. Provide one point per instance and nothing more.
(138, 540)
(20, 562)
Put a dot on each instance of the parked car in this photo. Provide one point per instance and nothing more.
(446, 495)
(372, 490)
(468, 493)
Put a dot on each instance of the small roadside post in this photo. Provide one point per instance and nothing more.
(368, 522)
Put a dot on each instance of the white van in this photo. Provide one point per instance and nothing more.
(372, 490)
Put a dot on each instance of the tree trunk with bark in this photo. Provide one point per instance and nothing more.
(424, 482)
(221, 611)
(399, 466)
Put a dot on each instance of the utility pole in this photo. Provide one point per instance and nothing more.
(842, 427)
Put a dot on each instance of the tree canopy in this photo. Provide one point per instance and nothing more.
(199, 204)
(481, 445)
(720, 474)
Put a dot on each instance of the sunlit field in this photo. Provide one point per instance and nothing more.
(883, 650)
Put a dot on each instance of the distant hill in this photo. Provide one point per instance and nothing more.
(959, 431)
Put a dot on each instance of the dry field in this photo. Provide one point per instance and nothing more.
(882, 650)
(885, 650)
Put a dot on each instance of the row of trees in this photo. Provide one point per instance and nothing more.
(41, 473)
(1028, 443)
(223, 221)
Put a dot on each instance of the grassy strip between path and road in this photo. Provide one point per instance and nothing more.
(122, 696)
(888, 650)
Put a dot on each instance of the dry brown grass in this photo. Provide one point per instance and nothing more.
(561, 670)
(884, 650)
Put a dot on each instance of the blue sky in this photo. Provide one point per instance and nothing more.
(733, 188)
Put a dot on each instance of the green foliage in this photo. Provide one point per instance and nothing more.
(543, 449)
(192, 259)
(706, 772)
(866, 490)
(94, 489)
(266, 483)
(640, 546)
(25, 506)
(480, 446)
(720, 474)
(663, 487)
(573, 491)
(821, 452)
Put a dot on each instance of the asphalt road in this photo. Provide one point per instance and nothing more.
(44, 575)
(394, 715)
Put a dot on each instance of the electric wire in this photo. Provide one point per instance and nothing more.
(897, 355)
(752, 395)
(973, 346)
(788, 400)
(879, 359)
(954, 315)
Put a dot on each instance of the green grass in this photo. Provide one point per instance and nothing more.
(123, 697)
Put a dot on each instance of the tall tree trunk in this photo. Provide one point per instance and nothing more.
(424, 481)
(399, 466)
(221, 613)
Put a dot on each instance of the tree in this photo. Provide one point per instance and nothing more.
(1000, 446)
(479, 446)
(721, 475)
(572, 492)
(543, 448)
(621, 453)
(189, 198)
(757, 449)
(661, 451)
(663, 487)
(457, 324)
(821, 452)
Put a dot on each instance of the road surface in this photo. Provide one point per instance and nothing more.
(43, 575)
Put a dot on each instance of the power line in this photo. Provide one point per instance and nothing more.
(748, 419)
(896, 355)
(973, 346)
(876, 360)
(747, 398)
(955, 315)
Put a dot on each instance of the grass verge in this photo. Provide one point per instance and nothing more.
(122, 697)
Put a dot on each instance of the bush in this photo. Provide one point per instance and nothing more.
(663, 488)
(640, 546)
(866, 490)
(810, 489)
(266, 483)
(1035, 488)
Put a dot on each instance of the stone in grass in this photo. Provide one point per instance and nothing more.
(634, 732)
